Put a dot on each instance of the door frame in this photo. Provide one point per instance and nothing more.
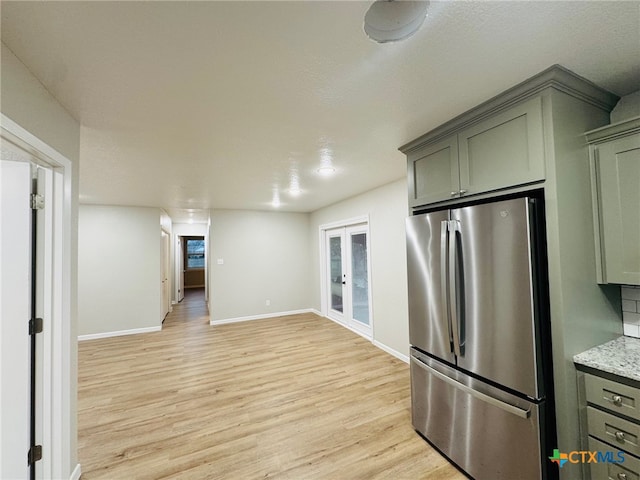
(58, 347)
(324, 274)
(179, 231)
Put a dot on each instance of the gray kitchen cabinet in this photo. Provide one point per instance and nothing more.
(433, 171)
(615, 180)
(490, 152)
(611, 423)
(504, 150)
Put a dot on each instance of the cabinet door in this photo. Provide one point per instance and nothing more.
(433, 172)
(504, 150)
(618, 180)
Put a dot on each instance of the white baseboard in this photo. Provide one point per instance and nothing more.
(259, 317)
(391, 351)
(378, 344)
(362, 334)
(133, 331)
(75, 475)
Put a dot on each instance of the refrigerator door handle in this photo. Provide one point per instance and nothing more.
(444, 276)
(507, 407)
(454, 322)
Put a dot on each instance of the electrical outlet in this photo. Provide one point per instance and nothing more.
(268, 302)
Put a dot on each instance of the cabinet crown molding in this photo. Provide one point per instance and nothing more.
(556, 76)
(608, 132)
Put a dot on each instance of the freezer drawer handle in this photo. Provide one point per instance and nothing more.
(479, 395)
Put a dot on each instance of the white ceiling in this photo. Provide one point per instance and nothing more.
(190, 105)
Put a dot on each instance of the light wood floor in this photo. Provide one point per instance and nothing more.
(294, 397)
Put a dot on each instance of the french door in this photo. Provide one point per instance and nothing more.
(348, 288)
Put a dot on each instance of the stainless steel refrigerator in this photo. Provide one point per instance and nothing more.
(478, 324)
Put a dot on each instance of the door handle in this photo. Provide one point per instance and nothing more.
(507, 407)
(444, 275)
(454, 227)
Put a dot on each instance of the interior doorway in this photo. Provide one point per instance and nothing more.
(193, 261)
(184, 269)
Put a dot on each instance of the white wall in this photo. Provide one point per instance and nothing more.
(387, 209)
(119, 273)
(28, 103)
(266, 257)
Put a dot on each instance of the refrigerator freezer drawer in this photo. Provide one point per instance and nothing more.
(488, 433)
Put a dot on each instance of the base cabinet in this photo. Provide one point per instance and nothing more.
(619, 468)
(611, 416)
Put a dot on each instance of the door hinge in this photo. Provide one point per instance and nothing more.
(35, 454)
(35, 326)
(37, 201)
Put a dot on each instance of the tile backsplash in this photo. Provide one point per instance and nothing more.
(631, 310)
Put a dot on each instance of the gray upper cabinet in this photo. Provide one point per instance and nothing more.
(433, 172)
(615, 180)
(504, 150)
(490, 152)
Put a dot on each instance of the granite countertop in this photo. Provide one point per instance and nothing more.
(620, 357)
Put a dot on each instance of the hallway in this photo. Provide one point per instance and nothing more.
(294, 397)
(192, 311)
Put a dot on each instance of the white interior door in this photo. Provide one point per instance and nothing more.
(180, 268)
(348, 277)
(38, 287)
(164, 275)
(15, 179)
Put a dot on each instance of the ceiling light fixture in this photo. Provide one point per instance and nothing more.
(276, 199)
(294, 185)
(394, 20)
(326, 170)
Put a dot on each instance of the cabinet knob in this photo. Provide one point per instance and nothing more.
(617, 400)
(453, 194)
(462, 192)
(622, 476)
(620, 436)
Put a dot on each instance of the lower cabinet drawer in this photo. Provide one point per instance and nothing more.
(629, 469)
(613, 396)
(614, 430)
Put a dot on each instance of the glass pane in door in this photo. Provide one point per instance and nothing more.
(359, 278)
(335, 258)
